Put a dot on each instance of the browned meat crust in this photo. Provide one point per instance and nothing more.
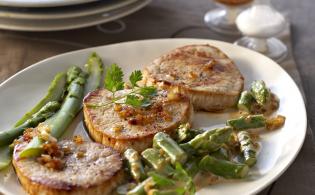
(99, 171)
(203, 72)
(102, 121)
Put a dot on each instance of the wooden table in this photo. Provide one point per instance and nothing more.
(181, 18)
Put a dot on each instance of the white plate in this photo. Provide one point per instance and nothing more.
(279, 148)
(71, 23)
(63, 12)
(42, 3)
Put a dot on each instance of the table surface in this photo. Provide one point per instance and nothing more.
(181, 18)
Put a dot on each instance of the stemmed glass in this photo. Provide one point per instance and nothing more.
(222, 19)
(259, 24)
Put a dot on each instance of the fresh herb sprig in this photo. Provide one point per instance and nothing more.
(138, 96)
(114, 79)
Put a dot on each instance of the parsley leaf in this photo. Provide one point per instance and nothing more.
(137, 101)
(137, 97)
(148, 91)
(135, 77)
(114, 78)
(133, 100)
(146, 102)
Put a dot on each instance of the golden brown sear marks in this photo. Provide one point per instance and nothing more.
(123, 126)
(203, 72)
(89, 168)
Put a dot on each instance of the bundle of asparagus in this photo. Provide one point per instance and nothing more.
(227, 152)
(167, 158)
(56, 110)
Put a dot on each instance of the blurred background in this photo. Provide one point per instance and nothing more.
(155, 19)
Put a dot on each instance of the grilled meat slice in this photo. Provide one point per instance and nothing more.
(203, 72)
(89, 168)
(121, 126)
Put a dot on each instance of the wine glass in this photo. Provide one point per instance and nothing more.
(222, 19)
(260, 24)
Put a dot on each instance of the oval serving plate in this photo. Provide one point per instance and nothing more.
(279, 148)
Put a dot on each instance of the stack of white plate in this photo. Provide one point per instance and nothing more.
(52, 15)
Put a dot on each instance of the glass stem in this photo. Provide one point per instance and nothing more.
(259, 45)
(263, 2)
(231, 14)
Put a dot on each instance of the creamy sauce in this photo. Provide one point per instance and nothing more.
(271, 106)
(202, 180)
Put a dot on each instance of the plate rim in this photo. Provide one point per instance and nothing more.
(300, 96)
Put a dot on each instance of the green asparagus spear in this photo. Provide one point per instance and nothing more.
(184, 180)
(140, 188)
(223, 168)
(71, 105)
(211, 141)
(247, 148)
(190, 151)
(160, 180)
(157, 161)
(7, 137)
(54, 93)
(179, 183)
(166, 192)
(62, 119)
(246, 101)
(33, 148)
(94, 67)
(170, 147)
(185, 133)
(135, 164)
(260, 92)
(191, 166)
(247, 122)
(222, 153)
(5, 157)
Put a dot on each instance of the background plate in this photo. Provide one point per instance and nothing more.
(71, 23)
(42, 3)
(63, 12)
(279, 148)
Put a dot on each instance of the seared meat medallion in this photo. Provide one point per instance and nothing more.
(122, 126)
(89, 168)
(203, 72)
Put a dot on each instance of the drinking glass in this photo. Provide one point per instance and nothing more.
(260, 24)
(222, 19)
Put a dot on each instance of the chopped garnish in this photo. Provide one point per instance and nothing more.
(275, 123)
(117, 107)
(80, 154)
(52, 149)
(51, 162)
(78, 139)
(118, 128)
